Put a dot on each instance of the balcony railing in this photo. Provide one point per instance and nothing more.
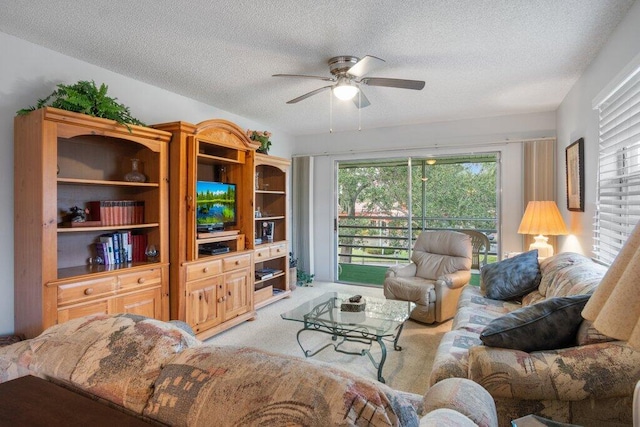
(384, 240)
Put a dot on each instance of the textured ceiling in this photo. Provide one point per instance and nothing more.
(478, 58)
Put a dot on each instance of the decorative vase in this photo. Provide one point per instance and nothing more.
(135, 175)
(151, 252)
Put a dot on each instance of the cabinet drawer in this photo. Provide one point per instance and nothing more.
(236, 262)
(81, 310)
(204, 269)
(262, 253)
(75, 292)
(140, 279)
(278, 250)
(262, 295)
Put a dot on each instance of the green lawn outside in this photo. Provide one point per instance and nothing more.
(374, 275)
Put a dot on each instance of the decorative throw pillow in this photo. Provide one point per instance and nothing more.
(547, 325)
(513, 277)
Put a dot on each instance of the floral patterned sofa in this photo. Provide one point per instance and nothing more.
(587, 381)
(159, 372)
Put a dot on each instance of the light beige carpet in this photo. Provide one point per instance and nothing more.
(406, 370)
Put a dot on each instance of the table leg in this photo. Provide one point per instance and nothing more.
(364, 339)
(383, 358)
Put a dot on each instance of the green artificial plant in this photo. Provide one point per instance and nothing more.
(262, 137)
(85, 97)
(304, 278)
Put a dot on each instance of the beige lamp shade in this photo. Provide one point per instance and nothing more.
(614, 307)
(542, 217)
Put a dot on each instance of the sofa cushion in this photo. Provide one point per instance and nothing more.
(513, 277)
(209, 385)
(547, 325)
(569, 273)
(115, 357)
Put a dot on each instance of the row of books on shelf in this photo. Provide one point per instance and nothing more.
(121, 247)
(117, 212)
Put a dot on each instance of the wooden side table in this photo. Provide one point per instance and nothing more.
(32, 401)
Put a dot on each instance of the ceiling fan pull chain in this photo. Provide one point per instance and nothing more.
(330, 112)
(359, 110)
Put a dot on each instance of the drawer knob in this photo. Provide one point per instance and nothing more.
(88, 291)
(278, 250)
(259, 254)
(220, 299)
(237, 262)
(205, 270)
(141, 280)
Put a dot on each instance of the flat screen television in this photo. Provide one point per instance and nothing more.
(216, 205)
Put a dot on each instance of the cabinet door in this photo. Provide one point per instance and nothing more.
(80, 310)
(203, 309)
(238, 288)
(146, 303)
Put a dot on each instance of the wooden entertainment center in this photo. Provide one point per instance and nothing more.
(215, 291)
(66, 162)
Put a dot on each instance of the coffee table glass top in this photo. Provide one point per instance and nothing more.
(381, 316)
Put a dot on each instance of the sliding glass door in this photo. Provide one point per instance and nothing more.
(384, 204)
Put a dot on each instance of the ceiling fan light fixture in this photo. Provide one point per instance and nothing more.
(345, 91)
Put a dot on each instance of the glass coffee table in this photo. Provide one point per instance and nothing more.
(382, 320)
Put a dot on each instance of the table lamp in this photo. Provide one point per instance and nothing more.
(540, 218)
(614, 306)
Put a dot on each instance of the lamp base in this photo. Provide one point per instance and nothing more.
(541, 244)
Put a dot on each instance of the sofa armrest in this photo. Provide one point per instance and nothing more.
(402, 271)
(455, 280)
(599, 371)
(14, 361)
(463, 396)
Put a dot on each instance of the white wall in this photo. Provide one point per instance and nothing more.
(496, 134)
(577, 119)
(29, 72)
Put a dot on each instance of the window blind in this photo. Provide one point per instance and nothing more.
(618, 198)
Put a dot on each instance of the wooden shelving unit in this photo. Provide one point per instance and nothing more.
(65, 159)
(271, 248)
(211, 292)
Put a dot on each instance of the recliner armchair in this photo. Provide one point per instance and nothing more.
(440, 267)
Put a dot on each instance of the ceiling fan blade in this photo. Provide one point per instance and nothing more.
(326, 79)
(365, 66)
(399, 83)
(307, 95)
(360, 100)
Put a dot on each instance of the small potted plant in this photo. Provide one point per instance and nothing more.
(262, 137)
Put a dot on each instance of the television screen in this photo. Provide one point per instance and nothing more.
(216, 204)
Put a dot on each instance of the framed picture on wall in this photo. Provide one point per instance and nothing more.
(575, 176)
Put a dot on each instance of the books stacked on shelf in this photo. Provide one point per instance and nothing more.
(266, 273)
(117, 212)
(121, 247)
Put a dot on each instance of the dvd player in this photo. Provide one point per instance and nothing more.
(213, 249)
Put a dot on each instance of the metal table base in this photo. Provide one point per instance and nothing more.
(346, 333)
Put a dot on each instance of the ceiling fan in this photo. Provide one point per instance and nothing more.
(348, 74)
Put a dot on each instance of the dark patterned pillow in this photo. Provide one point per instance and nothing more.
(513, 277)
(547, 325)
